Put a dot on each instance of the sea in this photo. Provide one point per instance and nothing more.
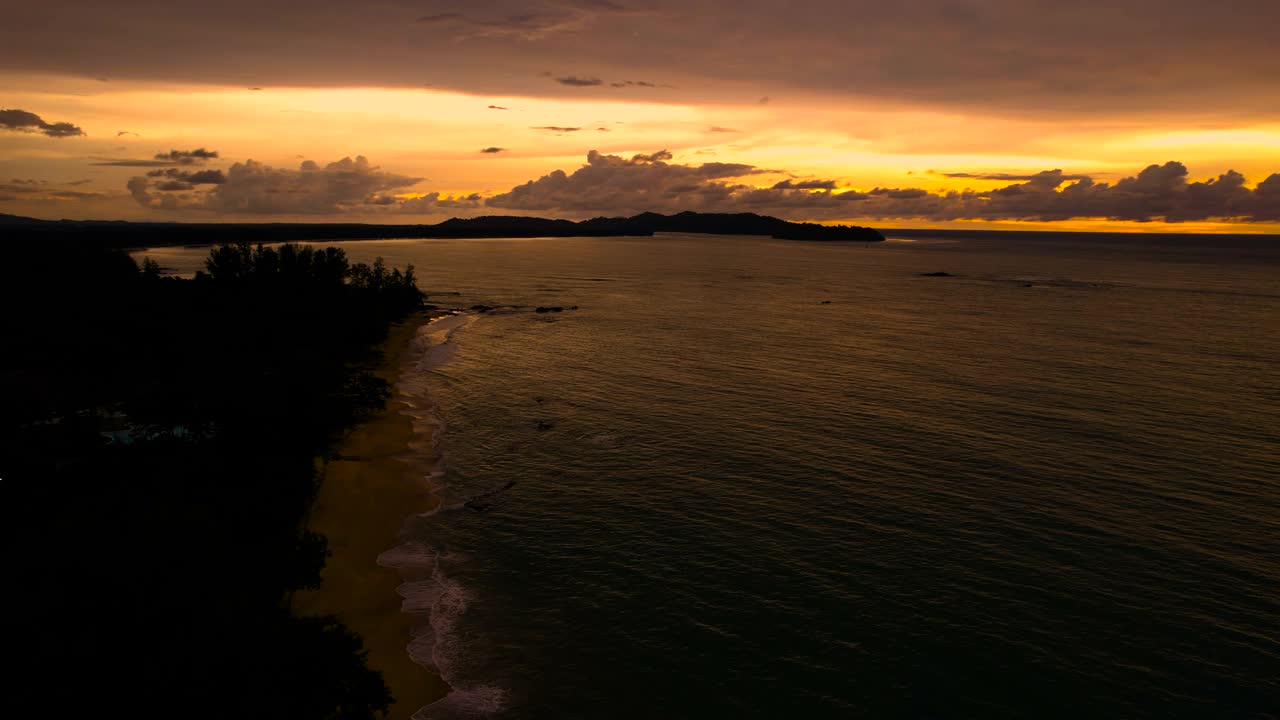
(738, 477)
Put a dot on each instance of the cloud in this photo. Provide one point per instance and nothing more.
(610, 184)
(493, 150)
(899, 193)
(557, 129)
(718, 129)
(8, 195)
(199, 177)
(39, 190)
(169, 159)
(434, 203)
(575, 81)
(252, 187)
(188, 157)
(528, 21)
(525, 26)
(29, 122)
(498, 107)
(1153, 58)
(806, 185)
(138, 189)
(1042, 176)
(22, 186)
(127, 132)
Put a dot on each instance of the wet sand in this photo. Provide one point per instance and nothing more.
(365, 494)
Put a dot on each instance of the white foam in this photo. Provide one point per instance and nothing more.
(410, 555)
(475, 702)
(437, 600)
(419, 595)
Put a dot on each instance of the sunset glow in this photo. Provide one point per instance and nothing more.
(482, 116)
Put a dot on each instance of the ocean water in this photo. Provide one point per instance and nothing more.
(765, 479)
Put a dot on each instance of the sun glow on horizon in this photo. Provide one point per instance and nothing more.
(473, 144)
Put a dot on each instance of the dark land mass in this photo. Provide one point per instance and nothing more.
(120, 234)
(158, 446)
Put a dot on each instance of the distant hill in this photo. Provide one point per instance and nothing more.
(17, 219)
(129, 234)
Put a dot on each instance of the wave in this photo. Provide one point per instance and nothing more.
(435, 600)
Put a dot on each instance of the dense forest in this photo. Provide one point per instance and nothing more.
(158, 446)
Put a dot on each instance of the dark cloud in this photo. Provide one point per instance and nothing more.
(139, 189)
(434, 203)
(616, 185)
(619, 185)
(163, 160)
(899, 193)
(557, 129)
(188, 157)
(498, 107)
(1164, 57)
(493, 150)
(806, 185)
(254, 188)
(127, 132)
(37, 190)
(29, 122)
(206, 177)
(21, 186)
(575, 81)
(74, 183)
(633, 83)
(1043, 176)
(198, 177)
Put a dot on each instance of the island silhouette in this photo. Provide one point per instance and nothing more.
(149, 234)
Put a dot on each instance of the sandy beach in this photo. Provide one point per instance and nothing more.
(366, 493)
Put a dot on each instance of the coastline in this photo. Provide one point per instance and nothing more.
(366, 492)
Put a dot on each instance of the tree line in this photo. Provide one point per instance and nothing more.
(158, 439)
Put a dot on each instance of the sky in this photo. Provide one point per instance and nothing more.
(1120, 115)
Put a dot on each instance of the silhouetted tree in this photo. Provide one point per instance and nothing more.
(157, 438)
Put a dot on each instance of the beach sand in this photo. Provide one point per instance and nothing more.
(365, 495)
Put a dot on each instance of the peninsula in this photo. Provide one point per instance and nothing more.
(121, 234)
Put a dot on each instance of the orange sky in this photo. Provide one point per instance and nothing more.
(434, 135)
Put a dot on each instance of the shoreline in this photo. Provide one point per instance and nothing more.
(366, 492)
